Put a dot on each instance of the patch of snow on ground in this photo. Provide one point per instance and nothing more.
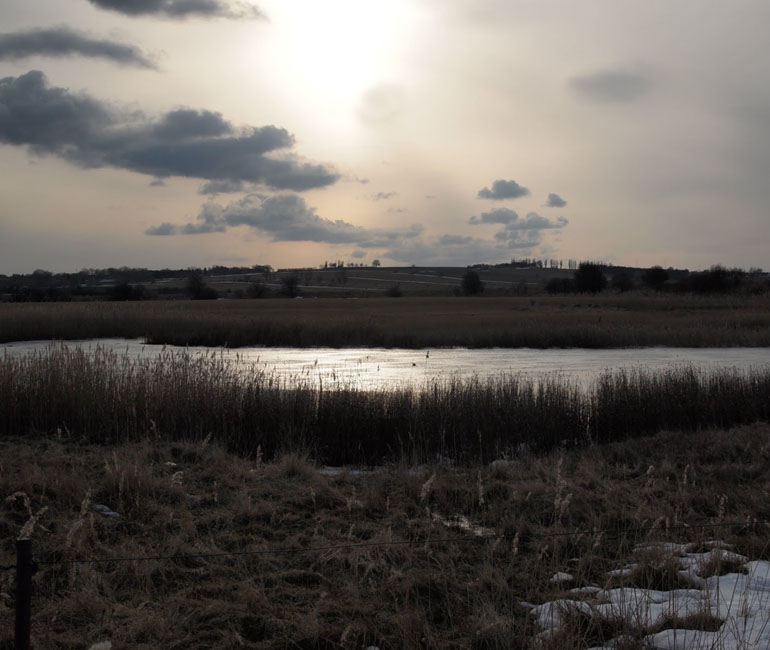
(741, 601)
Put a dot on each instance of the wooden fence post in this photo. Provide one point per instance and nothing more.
(25, 569)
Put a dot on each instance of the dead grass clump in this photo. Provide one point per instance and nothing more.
(586, 628)
(428, 557)
(702, 621)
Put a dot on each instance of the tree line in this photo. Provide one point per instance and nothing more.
(593, 278)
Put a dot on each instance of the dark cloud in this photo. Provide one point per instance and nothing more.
(454, 240)
(517, 233)
(501, 215)
(209, 220)
(460, 250)
(614, 86)
(286, 217)
(164, 228)
(222, 187)
(527, 233)
(448, 250)
(534, 221)
(512, 221)
(502, 189)
(555, 201)
(358, 254)
(520, 239)
(63, 41)
(181, 8)
(184, 142)
(187, 123)
(381, 196)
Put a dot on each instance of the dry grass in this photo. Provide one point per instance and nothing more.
(385, 570)
(103, 397)
(539, 322)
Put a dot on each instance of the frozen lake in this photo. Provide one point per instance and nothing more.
(376, 368)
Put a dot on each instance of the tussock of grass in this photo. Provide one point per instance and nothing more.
(104, 397)
(433, 588)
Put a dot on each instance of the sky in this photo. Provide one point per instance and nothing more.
(179, 133)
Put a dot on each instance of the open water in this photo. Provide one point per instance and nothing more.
(378, 368)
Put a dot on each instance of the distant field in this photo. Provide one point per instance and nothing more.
(603, 321)
(373, 282)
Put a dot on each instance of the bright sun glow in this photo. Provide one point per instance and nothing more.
(339, 48)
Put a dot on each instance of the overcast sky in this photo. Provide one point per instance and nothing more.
(288, 132)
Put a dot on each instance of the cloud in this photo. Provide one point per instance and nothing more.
(534, 221)
(512, 221)
(358, 254)
(448, 250)
(520, 239)
(222, 187)
(454, 240)
(63, 41)
(611, 86)
(164, 228)
(183, 142)
(502, 189)
(381, 196)
(555, 201)
(501, 215)
(521, 236)
(181, 8)
(527, 233)
(286, 217)
(517, 233)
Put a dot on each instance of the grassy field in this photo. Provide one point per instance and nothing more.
(376, 282)
(404, 557)
(539, 322)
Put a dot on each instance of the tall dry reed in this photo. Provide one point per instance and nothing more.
(101, 396)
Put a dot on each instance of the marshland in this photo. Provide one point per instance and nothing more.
(379, 325)
(582, 320)
(266, 515)
(498, 511)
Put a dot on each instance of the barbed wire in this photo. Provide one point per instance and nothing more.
(608, 533)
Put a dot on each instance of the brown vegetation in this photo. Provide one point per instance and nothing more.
(604, 321)
(284, 555)
(103, 397)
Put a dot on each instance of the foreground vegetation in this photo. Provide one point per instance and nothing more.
(404, 557)
(627, 320)
(103, 397)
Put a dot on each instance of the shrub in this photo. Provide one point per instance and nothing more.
(471, 283)
(560, 285)
(590, 278)
(394, 291)
(654, 278)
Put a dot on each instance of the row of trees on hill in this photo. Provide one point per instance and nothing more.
(593, 278)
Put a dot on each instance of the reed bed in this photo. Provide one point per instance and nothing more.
(101, 397)
(541, 322)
